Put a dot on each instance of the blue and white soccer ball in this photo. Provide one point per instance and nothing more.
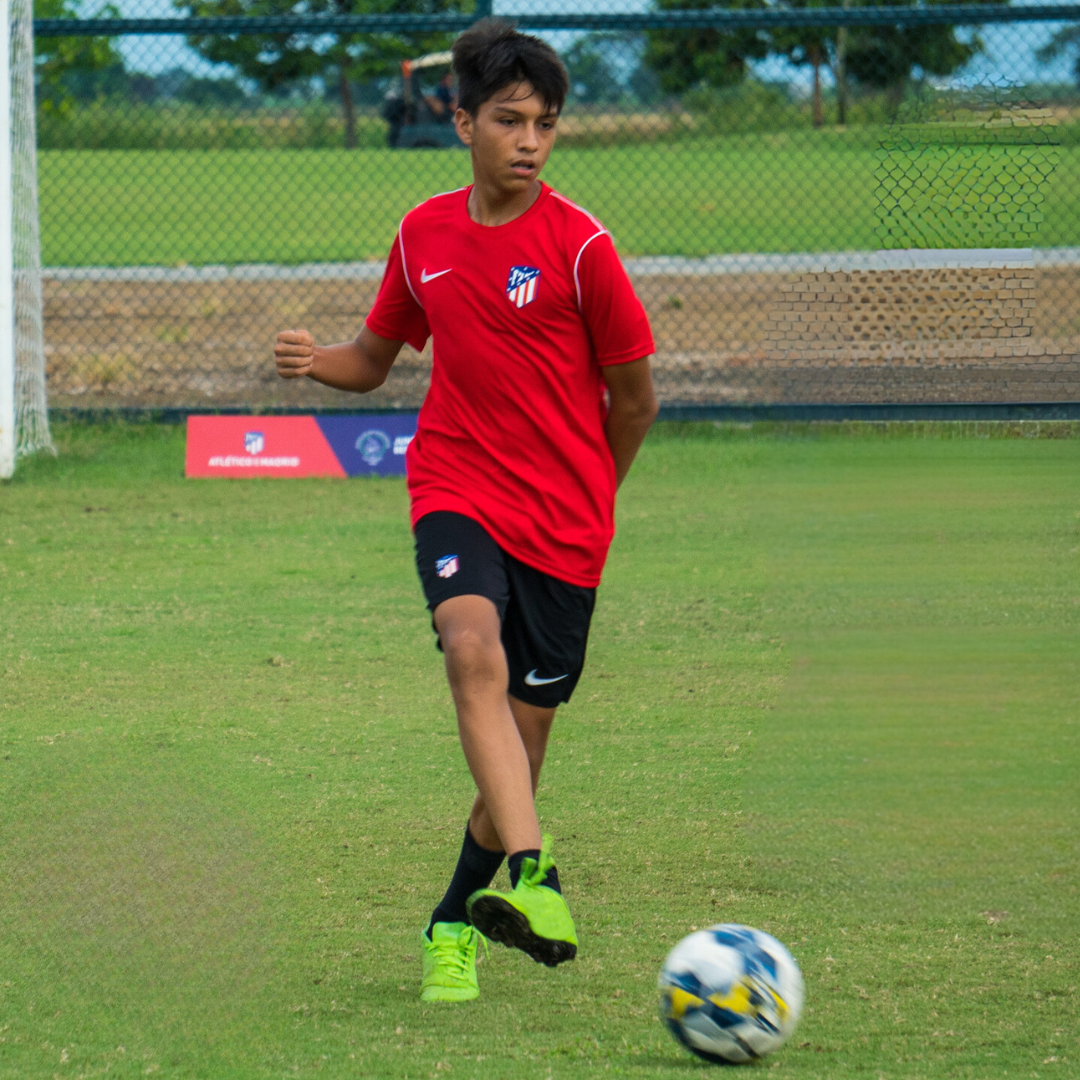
(730, 993)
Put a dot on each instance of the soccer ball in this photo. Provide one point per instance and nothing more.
(730, 993)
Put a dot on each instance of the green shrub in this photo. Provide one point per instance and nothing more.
(114, 125)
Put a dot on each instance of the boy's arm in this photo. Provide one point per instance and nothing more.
(360, 365)
(632, 410)
(622, 342)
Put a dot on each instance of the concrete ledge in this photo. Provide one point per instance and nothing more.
(639, 266)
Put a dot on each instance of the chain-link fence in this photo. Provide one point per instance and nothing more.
(815, 204)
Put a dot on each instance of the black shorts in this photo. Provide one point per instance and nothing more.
(545, 621)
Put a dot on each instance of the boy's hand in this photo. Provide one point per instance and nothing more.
(360, 365)
(294, 353)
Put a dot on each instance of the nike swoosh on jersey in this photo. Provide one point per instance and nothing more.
(532, 680)
(425, 277)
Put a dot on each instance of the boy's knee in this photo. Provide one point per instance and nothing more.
(473, 657)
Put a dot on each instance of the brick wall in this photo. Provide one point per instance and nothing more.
(947, 316)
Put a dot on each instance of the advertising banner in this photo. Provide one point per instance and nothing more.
(359, 444)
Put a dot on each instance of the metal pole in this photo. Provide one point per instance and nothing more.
(841, 72)
(7, 297)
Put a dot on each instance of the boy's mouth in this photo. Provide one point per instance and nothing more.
(526, 169)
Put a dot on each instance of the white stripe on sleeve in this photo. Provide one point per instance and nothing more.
(577, 280)
(405, 265)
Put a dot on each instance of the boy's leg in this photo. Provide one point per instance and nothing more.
(534, 727)
(466, 580)
(481, 851)
(464, 577)
(470, 631)
(544, 635)
(449, 944)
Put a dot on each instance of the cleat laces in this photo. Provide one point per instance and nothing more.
(453, 954)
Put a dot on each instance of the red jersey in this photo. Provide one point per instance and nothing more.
(523, 316)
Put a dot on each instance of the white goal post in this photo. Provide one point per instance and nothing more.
(24, 418)
(7, 266)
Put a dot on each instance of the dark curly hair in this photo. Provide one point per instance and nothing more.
(491, 55)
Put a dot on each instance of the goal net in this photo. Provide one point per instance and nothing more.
(31, 409)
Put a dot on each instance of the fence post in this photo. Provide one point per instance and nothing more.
(483, 8)
(7, 297)
(840, 72)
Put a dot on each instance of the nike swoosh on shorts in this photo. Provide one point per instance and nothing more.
(425, 277)
(532, 680)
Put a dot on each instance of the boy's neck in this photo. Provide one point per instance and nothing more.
(491, 205)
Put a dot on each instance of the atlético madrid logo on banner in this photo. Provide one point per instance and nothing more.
(521, 288)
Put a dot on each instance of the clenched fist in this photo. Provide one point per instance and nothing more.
(294, 353)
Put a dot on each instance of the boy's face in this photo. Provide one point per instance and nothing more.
(511, 136)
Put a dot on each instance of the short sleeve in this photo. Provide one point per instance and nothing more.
(396, 314)
(616, 318)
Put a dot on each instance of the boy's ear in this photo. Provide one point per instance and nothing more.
(463, 121)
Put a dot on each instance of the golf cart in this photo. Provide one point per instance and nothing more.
(420, 106)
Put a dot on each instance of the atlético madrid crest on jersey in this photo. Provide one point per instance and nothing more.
(521, 288)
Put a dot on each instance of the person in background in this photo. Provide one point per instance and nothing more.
(443, 100)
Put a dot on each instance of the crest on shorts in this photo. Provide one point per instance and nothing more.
(447, 566)
(521, 286)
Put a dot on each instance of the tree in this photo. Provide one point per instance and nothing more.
(278, 62)
(1065, 40)
(592, 79)
(807, 45)
(877, 57)
(884, 57)
(70, 68)
(684, 59)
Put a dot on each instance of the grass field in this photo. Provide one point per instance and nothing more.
(769, 193)
(832, 692)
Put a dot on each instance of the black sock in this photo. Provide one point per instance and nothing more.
(475, 869)
(551, 878)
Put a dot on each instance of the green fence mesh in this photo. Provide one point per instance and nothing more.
(966, 174)
(774, 190)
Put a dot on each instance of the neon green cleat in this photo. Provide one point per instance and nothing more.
(450, 963)
(532, 918)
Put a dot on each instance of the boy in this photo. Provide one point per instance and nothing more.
(540, 397)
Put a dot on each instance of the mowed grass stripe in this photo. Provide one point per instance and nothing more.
(772, 193)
